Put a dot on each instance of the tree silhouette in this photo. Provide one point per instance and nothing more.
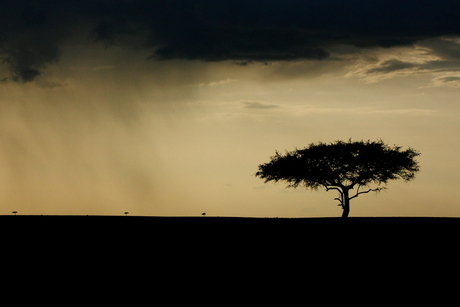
(342, 166)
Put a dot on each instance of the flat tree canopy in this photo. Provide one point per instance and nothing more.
(342, 166)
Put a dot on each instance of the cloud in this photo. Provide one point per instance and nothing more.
(217, 83)
(259, 105)
(33, 33)
(438, 57)
(391, 66)
(400, 62)
(31, 37)
(445, 79)
(310, 110)
(447, 48)
(385, 69)
(450, 79)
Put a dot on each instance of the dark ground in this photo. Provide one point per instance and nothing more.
(231, 258)
(217, 236)
(207, 231)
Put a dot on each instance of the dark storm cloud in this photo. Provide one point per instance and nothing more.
(32, 33)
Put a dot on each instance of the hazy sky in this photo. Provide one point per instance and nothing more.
(168, 107)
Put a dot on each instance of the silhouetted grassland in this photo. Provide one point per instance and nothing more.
(228, 230)
(230, 257)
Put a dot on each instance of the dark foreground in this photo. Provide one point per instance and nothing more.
(257, 261)
(237, 233)
(83, 223)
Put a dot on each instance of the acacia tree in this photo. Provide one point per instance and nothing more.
(342, 166)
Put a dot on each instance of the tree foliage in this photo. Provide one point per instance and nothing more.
(341, 166)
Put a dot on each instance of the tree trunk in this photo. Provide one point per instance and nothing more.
(346, 204)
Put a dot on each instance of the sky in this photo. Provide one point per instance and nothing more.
(168, 107)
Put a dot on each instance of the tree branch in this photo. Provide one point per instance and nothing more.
(340, 201)
(364, 192)
(333, 188)
(337, 198)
